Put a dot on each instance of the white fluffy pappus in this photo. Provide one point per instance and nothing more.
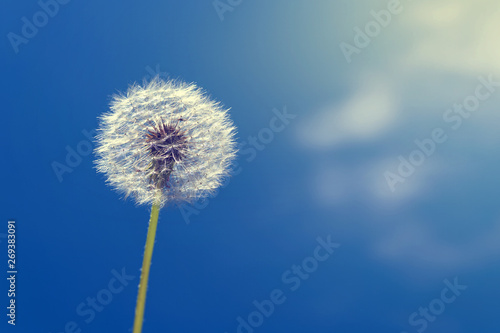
(165, 142)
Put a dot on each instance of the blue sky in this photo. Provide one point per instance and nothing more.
(388, 154)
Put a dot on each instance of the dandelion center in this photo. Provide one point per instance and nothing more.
(166, 144)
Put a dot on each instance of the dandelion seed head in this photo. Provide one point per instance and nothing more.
(166, 141)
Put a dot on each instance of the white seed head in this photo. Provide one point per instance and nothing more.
(165, 141)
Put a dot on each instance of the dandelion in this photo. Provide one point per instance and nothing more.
(164, 142)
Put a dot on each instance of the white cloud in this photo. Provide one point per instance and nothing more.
(333, 184)
(438, 50)
(453, 35)
(366, 115)
(415, 245)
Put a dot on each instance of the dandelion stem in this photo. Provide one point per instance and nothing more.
(146, 263)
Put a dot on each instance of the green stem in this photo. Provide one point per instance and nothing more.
(146, 263)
